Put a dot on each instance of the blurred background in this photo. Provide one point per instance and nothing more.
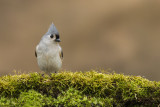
(121, 35)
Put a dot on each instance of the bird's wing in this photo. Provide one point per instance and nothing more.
(36, 50)
(61, 54)
(35, 53)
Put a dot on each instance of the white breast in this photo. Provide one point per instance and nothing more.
(48, 58)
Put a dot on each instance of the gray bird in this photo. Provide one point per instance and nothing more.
(48, 52)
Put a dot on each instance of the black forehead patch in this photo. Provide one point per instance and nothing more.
(57, 36)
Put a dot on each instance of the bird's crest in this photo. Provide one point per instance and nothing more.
(52, 30)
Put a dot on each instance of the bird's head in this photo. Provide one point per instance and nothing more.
(52, 36)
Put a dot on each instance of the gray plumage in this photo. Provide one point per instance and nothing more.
(52, 30)
(48, 52)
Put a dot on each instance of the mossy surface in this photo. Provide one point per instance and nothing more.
(90, 89)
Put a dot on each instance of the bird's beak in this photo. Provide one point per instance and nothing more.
(57, 40)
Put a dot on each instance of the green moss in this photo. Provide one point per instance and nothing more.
(78, 89)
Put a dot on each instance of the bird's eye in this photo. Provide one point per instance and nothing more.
(51, 36)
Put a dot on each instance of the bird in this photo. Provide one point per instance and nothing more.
(48, 52)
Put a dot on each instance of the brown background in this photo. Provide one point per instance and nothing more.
(122, 35)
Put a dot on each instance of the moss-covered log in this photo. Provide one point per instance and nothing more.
(78, 89)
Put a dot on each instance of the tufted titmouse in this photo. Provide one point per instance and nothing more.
(48, 52)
